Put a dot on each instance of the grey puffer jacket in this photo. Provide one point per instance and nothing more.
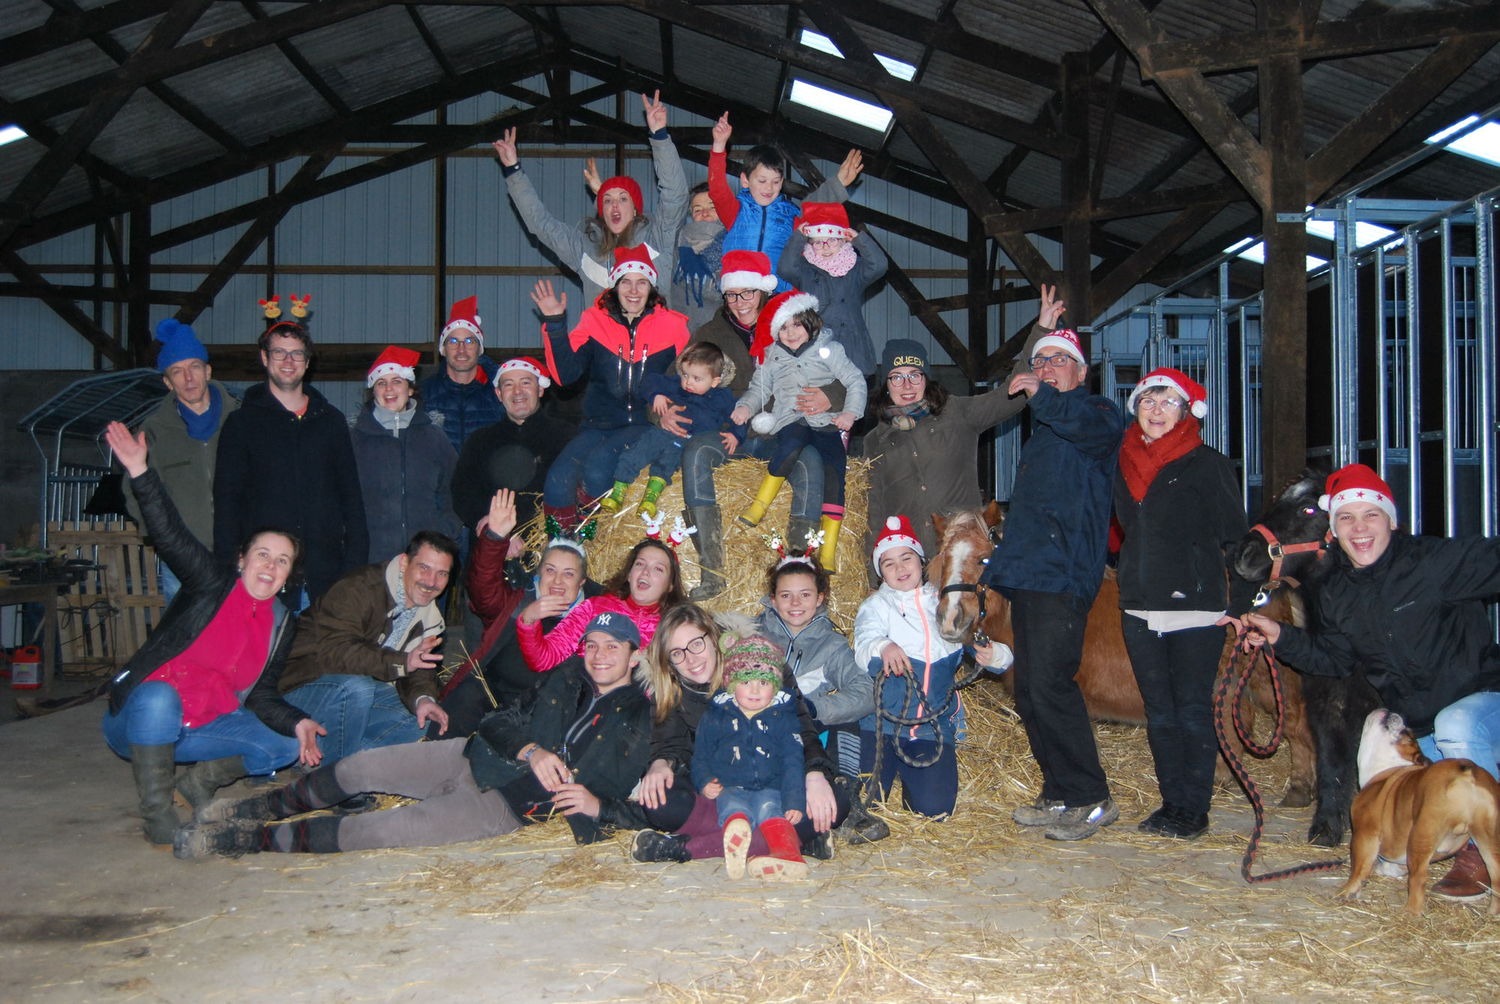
(816, 364)
(835, 690)
(579, 253)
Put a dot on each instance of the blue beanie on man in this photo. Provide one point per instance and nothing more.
(178, 342)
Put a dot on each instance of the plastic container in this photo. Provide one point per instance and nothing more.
(26, 668)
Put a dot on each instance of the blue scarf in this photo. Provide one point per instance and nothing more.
(202, 427)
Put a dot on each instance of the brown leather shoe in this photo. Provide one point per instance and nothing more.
(1467, 880)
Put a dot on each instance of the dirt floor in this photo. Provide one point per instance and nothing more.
(973, 909)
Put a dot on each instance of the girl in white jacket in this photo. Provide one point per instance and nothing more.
(919, 717)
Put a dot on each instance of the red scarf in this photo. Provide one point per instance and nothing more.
(1141, 462)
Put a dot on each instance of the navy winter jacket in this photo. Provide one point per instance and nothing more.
(461, 408)
(1057, 527)
(752, 753)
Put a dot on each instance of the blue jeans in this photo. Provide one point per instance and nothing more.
(827, 442)
(1467, 728)
(152, 716)
(657, 449)
(760, 804)
(360, 713)
(167, 581)
(705, 452)
(588, 462)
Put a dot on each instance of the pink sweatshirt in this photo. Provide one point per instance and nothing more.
(224, 661)
(543, 652)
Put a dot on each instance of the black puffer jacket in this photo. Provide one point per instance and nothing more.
(1172, 558)
(1415, 619)
(608, 755)
(205, 586)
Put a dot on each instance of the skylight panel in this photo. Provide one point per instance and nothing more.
(1479, 144)
(841, 105)
(1364, 233)
(11, 133)
(1256, 251)
(893, 66)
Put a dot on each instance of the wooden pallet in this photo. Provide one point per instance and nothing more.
(105, 618)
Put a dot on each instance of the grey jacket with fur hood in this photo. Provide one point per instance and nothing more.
(834, 689)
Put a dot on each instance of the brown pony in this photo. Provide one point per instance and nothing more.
(1105, 676)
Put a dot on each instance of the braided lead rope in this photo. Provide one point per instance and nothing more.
(1252, 790)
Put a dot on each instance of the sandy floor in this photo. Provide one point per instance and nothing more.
(91, 912)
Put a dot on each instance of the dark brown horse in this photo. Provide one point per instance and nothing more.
(1104, 676)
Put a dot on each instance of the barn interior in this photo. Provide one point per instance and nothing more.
(1291, 200)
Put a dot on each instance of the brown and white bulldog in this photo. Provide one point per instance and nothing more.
(1410, 812)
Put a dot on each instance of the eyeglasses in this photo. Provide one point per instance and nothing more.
(1159, 404)
(823, 242)
(907, 378)
(741, 294)
(694, 647)
(298, 355)
(1056, 362)
(465, 340)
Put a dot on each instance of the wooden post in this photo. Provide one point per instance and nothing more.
(1076, 198)
(138, 313)
(1284, 314)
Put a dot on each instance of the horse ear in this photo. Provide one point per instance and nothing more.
(993, 514)
(939, 523)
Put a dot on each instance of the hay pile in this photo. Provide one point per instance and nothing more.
(747, 556)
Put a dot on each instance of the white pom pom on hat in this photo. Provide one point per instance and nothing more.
(897, 533)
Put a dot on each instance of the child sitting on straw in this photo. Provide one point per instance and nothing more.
(802, 354)
(701, 369)
(748, 757)
(920, 718)
(837, 692)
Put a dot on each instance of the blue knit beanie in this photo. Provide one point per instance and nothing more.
(178, 342)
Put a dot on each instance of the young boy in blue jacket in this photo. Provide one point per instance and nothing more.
(696, 387)
(760, 217)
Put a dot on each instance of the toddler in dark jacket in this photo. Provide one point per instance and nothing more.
(748, 757)
(696, 387)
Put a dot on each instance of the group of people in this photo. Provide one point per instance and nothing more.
(309, 561)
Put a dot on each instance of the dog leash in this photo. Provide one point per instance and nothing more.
(1252, 790)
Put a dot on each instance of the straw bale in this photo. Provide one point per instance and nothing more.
(747, 555)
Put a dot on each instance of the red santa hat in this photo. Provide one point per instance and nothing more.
(746, 270)
(1176, 381)
(897, 533)
(463, 317)
(1357, 483)
(774, 315)
(528, 364)
(394, 361)
(628, 260)
(823, 220)
(628, 185)
(1063, 338)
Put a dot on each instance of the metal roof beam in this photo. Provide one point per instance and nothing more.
(62, 29)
